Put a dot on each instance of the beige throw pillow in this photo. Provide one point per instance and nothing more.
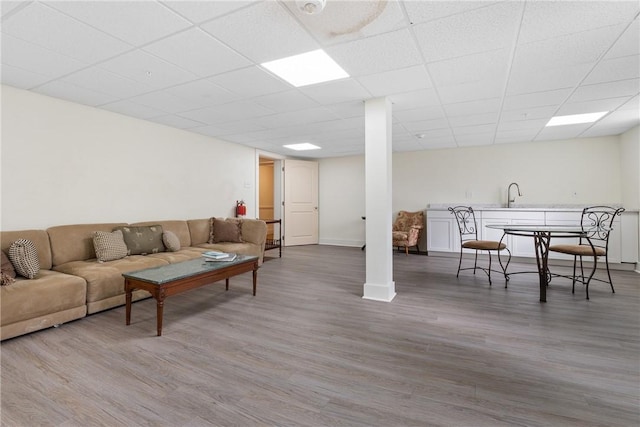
(109, 246)
(171, 241)
(7, 272)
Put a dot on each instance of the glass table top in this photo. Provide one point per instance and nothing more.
(168, 273)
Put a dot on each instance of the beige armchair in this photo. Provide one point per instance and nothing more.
(406, 229)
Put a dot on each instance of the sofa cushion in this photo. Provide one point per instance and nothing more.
(171, 241)
(227, 230)
(51, 292)
(109, 246)
(24, 257)
(143, 239)
(178, 227)
(75, 242)
(40, 238)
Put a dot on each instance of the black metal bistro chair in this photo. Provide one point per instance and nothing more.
(468, 228)
(597, 221)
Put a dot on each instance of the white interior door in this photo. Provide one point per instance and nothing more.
(300, 202)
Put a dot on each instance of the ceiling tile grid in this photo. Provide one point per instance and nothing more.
(457, 73)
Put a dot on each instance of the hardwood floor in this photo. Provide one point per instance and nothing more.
(309, 351)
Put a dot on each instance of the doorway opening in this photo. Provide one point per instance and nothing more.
(270, 196)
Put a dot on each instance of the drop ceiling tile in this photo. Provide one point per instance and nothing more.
(424, 11)
(69, 92)
(345, 110)
(132, 109)
(474, 139)
(460, 130)
(147, 69)
(513, 138)
(20, 78)
(50, 29)
(198, 52)
(6, 6)
(522, 125)
(565, 51)
(290, 100)
(473, 107)
(472, 91)
(478, 30)
(271, 33)
(562, 132)
(628, 44)
(530, 113)
(537, 99)
(608, 70)
(470, 68)
(604, 131)
(632, 104)
(424, 126)
(545, 20)
(99, 80)
(486, 119)
(416, 114)
(336, 91)
(203, 93)
(175, 121)
(396, 81)
(227, 113)
(343, 21)
(620, 88)
(200, 11)
(135, 22)
(592, 106)
(311, 115)
(376, 54)
(628, 118)
(35, 59)
(512, 135)
(251, 81)
(539, 79)
(164, 101)
(414, 99)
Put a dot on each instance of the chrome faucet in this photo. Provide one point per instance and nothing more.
(509, 199)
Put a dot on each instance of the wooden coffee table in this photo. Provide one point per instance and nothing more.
(180, 277)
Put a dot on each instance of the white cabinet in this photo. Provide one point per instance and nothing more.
(442, 232)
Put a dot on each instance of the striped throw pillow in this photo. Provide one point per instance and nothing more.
(24, 257)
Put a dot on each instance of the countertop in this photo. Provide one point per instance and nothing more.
(514, 207)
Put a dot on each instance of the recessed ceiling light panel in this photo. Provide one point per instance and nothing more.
(575, 119)
(307, 68)
(302, 147)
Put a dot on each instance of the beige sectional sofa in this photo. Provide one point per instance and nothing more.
(72, 283)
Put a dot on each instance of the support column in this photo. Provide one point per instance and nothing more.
(379, 283)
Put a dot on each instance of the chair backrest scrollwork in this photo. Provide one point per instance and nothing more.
(466, 220)
(598, 222)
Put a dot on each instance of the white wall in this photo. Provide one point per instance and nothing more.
(575, 172)
(65, 163)
(630, 168)
(342, 201)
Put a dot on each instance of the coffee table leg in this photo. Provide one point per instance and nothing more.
(159, 310)
(226, 282)
(127, 289)
(255, 280)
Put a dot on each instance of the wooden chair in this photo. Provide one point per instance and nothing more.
(466, 219)
(598, 222)
(406, 229)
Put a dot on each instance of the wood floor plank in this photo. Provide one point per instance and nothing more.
(307, 350)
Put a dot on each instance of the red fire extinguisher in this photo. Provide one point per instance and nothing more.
(241, 208)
